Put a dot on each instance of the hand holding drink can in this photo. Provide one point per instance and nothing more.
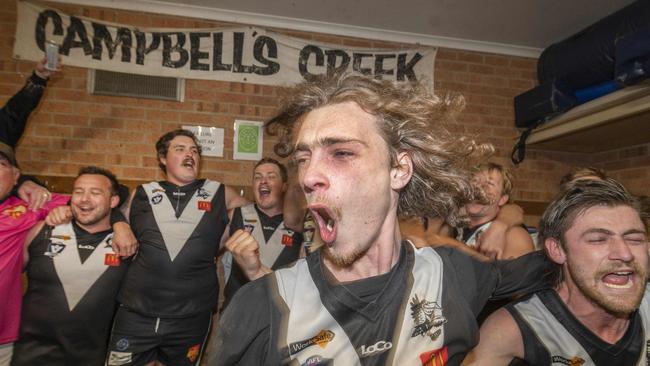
(52, 54)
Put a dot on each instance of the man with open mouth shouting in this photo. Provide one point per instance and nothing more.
(596, 313)
(365, 151)
(171, 287)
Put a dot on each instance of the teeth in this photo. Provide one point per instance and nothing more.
(330, 224)
(628, 284)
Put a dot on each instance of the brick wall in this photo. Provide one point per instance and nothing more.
(72, 128)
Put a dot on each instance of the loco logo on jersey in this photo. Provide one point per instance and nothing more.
(573, 361)
(428, 318)
(15, 211)
(321, 339)
(437, 357)
(156, 199)
(375, 349)
(317, 360)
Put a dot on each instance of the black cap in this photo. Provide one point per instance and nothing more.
(8, 152)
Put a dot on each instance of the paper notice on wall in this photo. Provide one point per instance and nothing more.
(249, 138)
(210, 139)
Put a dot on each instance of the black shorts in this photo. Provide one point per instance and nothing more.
(137, 339)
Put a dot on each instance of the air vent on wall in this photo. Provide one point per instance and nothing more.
(138, 86)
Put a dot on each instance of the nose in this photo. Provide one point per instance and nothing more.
(620, 250)
(312, 176)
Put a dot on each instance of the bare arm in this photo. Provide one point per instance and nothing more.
(234, 200)
(492, 242)
(518, 243)
(500, 341)
(445, 241)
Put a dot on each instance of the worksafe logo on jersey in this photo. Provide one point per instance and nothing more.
(15, 211)
(193, 352)
(156, 199)
(428, 318)
(375, 349)
(574, 361)
(321, 339)
(437, 357)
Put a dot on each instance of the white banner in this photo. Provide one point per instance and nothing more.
(245, 54)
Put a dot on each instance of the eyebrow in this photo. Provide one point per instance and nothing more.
(608, 232)
(329, 141)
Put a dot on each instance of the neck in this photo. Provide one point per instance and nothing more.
(271, 211)
(179, 182)
(102, 225)
(382, 255)
(607, 326)
(475, 221)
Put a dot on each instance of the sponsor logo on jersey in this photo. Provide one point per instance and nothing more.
(437, 357)
(428, 318)
(250, 220)
(202, 193)
(177, 193)
(205, 206)
(54, 249)
(15, 211)
(374, 349)
(317, 360)
(85, 246)
(573, 361)
(321, 339)
(113, 260)
(156, 190)
(116, 358)
(156, 199)
(122, 344)
(287, 240)
(193, 352)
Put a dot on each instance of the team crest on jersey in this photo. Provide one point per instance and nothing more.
(428, 318)
(15, 211)
(321, 339)
(573, 361)
(122, 344)
(437, 357)
(205, 205)
(156, 199)
(193, 352)
(54, 248)
(317, 360)
(202, 193)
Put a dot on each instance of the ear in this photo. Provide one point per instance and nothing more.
(115, 199)
(503, 200)
(285, 186)
(163, 160)
(555, 251)
(16, 173)
(401, 174)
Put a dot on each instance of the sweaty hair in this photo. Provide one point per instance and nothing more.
(506, 176)
(410, 120)
(101, 171)
(577, 173)
(579, 196)
(281, 167)
(162, 146)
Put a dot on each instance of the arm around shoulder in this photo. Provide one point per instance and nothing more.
(518, 243)
(500, 341)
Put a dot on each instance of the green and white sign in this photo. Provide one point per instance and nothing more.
(248, 140)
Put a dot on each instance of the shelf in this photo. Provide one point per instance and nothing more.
(613, 121)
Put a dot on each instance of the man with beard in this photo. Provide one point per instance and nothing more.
(365, 151)
(73, 278)
(597, 312)
(171, 286)
(496, 184)
(275, 245)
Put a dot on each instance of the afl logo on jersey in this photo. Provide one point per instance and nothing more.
(156, 199)
(54, 249)
(317, 360)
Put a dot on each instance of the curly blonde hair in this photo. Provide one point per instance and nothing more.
(410, 120)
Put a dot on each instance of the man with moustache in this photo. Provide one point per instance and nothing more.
(275, 244)
(365, 151)
(496, 184)
(171, 286)
(598, 311)
(73, 278)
